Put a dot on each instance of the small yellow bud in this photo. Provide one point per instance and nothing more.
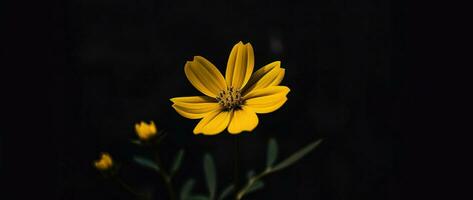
(104, 163)
(145, 131)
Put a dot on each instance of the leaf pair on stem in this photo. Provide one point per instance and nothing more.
(254, 181)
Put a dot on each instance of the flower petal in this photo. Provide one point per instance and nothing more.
(243, 119)
(269, 75)
(204, 76)
(267, 108)
(214, 123)
(268, 99)
(240, 65)
(195, 107)
(262, 71)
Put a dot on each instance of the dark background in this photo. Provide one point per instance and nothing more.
(120, 61)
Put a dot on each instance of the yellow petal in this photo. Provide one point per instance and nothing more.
(214, 123)
(204, 76)
(278, 79)
(263, 71)
(268, 99)
(267, 108)
(269, 91)
(195, 107)
(243, 119)
(107, 159)
(152, 127)
(193, 99)
(269, 75)
(105, 162)
(240, 65)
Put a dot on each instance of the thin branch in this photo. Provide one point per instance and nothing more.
(251, 181)
(128, 188)
(166, 177)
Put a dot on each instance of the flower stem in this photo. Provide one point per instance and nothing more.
(166, 177)
(128, 188)
(251, 181)
(170, 188)
(236, 158)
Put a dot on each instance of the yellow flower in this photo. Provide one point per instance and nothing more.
(232, 101)
(145, 131)
(104, 163)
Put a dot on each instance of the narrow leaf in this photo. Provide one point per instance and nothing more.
(227, 191)
(145, 162)
(187, 189)
(210, 175)
(138, 142)
(256, 186)
(177, 162)
(197, 197)
(272, 153)
(296, 156)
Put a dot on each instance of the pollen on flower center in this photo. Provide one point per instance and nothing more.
(230, 98)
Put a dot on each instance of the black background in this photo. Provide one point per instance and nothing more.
(114, 63)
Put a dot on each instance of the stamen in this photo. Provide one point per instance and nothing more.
(230, 98)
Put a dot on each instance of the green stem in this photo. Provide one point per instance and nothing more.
(170, 188)
(128, 188)
(166, 177)
(236, 158)
(251, 181)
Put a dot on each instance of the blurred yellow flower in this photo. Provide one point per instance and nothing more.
(104, 163)
(145, 131)
(231, 102)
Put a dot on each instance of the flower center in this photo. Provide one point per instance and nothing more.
(230, 98)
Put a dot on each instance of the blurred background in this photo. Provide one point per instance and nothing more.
(124, 60)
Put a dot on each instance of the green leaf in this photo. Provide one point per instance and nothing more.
(198, 197)
(250, 174)
(145, 162)
(187, 189)
(138, 142)
(296, 156)
(177, 162)
(272, 152)
(210, 174)
(227, 191)
(256, 186)
(161, 135)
